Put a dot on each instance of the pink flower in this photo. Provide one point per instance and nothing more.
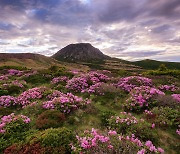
(160, 150)
(112, 132)
(153, 125)
(110, 146)
(141, 151)
(148, 144)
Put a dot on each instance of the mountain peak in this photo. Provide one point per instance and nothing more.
(79, 52)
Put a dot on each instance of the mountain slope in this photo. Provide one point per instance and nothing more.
(29, 60)
(81, 52)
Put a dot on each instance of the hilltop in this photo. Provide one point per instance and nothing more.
(83, 52)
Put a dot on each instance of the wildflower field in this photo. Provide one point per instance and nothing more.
(57, 110)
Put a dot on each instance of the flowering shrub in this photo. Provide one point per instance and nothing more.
(13, 72)
(27, 74)
(80, 84)
(163, 116)
(128, 83)
(178, 130)
(127, 123)
(176, 97)
(14, 87)
(7, 101)
(141, 97)
(95, 88)
(59, 79)
(16, 83)
(28, 96)
(64, 102)
(168, 88)
(122, 122)
(4, 77)
(77, 84)
(111, 142)
(12, 123)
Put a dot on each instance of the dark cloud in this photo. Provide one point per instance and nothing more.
(165, 8)
(161, 29)
(6, 27)
(116, 10)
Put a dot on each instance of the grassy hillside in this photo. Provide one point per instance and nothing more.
(60, 110)
(153, 64)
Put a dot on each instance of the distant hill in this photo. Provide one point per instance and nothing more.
(153, 64)
(29, 60)
(80, 52)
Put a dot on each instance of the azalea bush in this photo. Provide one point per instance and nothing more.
(13, 129)
(14, 87)
(127, 123)
(111, 142)
(8, 101)
(14, 123)
(3, 77)
(14, 72)
(29, 96)
(165, 88)
(176, 97)
(83, 82)
(129, 83)
(141, 97)
(62, 80)
(65, 103)
(163, 116)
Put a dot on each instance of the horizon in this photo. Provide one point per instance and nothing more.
(133, 30)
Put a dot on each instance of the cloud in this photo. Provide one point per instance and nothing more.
(131, 29)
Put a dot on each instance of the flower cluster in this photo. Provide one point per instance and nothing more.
(176, 97)
(168, 88)
(15, 83)
(128, 83)
(3, 77)
(64, 102)
(124, 117)
(146, 112)
(110, 142)
(27, 74)
(7, 101)
(178, 130)
(25, 98)
(59, 79)
(15, 72)
(88, 142)
(74, 72)
(77, 84)
(5, 120)
(140, 96)
(83, 82)
(95, 88)
(152, 148)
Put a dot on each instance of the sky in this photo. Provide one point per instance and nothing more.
(127, 29)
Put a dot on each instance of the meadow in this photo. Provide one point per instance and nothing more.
(59, 110)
